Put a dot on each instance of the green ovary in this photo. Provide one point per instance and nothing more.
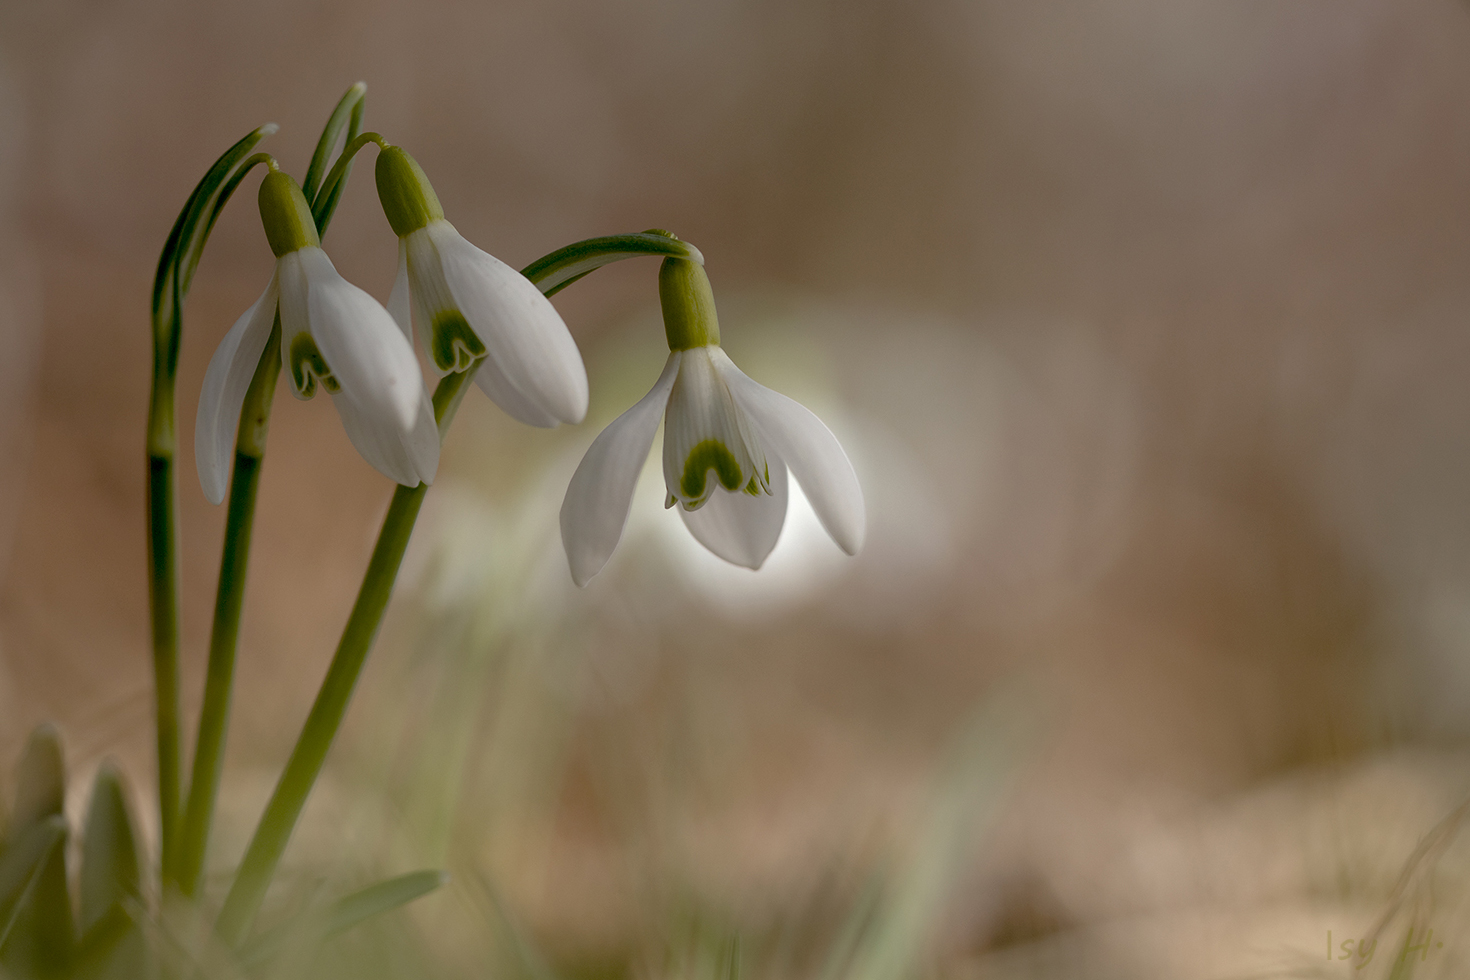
(455, 346)
(308, 366)
(711, 454)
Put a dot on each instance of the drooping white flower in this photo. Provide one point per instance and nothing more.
(728, 443)
(333, 334)
(471, 307)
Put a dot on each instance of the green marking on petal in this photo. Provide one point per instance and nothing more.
(753, 487)
(308, 367)
(455, 345)
(711, 454)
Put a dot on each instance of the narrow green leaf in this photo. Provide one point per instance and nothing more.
(325, 205)
(333, 129)
(324, 199)
(42, 939)
(382, 897)
(19, 866)
(559, 269)
(348, 912)
(181, 237)
(42, 934)
(110, 871)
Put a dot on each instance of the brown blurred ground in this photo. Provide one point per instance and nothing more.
(1167, 301)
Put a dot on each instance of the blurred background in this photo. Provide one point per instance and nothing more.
(1144, 324)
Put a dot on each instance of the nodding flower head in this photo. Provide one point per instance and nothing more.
(333, 336)
(474, 312)
(728, 444)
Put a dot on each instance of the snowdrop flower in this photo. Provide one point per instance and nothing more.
(728, 443)
(474, 312)
(333, 335)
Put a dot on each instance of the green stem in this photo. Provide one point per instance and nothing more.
(176, 265)
(279, 819)
(163, 592)
(224, 637)
(331, 189)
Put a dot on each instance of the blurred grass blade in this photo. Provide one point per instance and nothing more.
(347, 912)
(40, 782)
(526, 961)
(41, 939)
(112, 948)
(966, 803)
(559, 269)
(730, 967)
(110, 872)
(40, 932)
(19, 866)
(382, 897)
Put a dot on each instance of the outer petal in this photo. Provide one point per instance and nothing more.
(408, 459)
(519, 327)
(601, 492)
(398, 307)
(225, 384)
(500, 391)
(809, 448)
(740, 528)
(364, 349)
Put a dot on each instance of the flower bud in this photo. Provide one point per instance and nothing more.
(688, 304)
(289, 226)
(408, 199)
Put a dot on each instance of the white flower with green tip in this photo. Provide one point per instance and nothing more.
(473, 311)
(333, 334)
(728, 443)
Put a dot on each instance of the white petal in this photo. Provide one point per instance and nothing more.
(398, 299)
(740, 528)
(402, 457)
(809, 449)
(519, 327)
(364, 349)
(509, 398)
(601, 492)
(423, 443)
(225, 385)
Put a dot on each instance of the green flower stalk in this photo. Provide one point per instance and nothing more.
(182, 865)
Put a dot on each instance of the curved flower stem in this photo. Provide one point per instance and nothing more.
(188, 858)
(331, 187)
(176, 266)
(276, 825)
(550, 273)
(224, 637)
